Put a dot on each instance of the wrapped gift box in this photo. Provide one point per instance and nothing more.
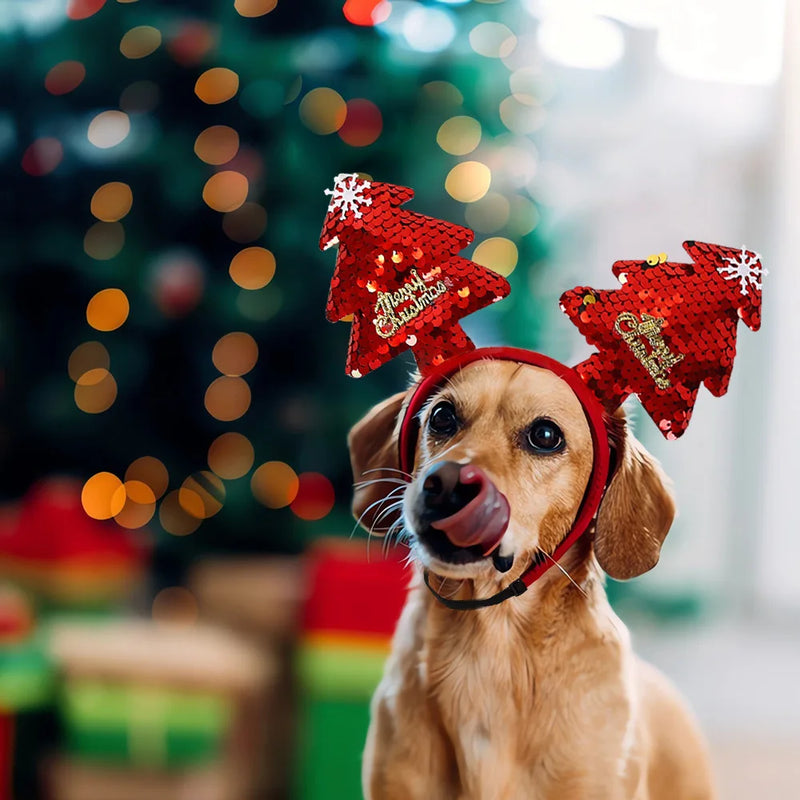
(142, 699)
(352, 607)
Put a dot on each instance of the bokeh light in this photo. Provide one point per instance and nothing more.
(216, 85)
(443, 93)
(140, 42)
(275, 484)
(102, 496)
(526, 85)
(492, 39)
(104, 240)
(192, 42)
(175, 605)
(252, 268)
(227, 398)
(217, 144)
(177, 284)
(315, 496)
(323, 111)
(82, 9)
(428, 30)
(524, 216)
(226, 190)
(108, 309)
(139, 506)
(108, 129)
(202, 495)
(367, 12)
(87, 356)
(468, 181)
(498, 254)
(363, 123)
(174, 519)
(245, 224)
(254, 8)
(231, 455)
(521, 118)
(235, 353)
(488, 214)
(459, 135)
(64, 77)
(112, 201)
(140, 97)
(42, 156)
(95, 391)
(151, 472)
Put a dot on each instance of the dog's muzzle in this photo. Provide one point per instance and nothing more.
(462, 502)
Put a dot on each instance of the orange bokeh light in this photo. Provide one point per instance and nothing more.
(216, 85)
(202, 495)
(254, 8)
(112, 201)
(174, 519)
(235, 353)
(252, 268)
(231, 455)
(226, 190)
(274, 484)
(217, 144)
(102, 496)
(151, 472)
(227, 398)
(87, 356)
(108, 310)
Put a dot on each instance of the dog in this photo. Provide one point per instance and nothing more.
(539, 697)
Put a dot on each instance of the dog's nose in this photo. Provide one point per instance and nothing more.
(443, 493)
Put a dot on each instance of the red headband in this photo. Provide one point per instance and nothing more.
(595, 417)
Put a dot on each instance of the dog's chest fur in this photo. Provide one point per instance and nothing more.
(517, 700)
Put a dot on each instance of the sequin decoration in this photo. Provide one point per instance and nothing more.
(398, 274)
(670, 327)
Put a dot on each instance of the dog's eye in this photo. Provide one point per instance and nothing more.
(544, 436)
(443, 420)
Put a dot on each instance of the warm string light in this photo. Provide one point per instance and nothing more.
(132, 500)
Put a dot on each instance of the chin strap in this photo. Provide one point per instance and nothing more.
(514, 589)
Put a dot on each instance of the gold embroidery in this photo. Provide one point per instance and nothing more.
(660, 359)
(395, 309)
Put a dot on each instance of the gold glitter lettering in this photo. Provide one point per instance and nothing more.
(395, 309)
(659, 359)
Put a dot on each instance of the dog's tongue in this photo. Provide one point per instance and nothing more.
(484, 520)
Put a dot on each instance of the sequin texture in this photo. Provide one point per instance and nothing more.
(671, 327)
(398, 274)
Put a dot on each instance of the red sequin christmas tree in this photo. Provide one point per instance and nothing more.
(670, 327)
(399, 278)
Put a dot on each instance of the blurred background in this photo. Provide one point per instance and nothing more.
(185, 611)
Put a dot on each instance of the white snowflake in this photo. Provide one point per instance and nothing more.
(744, 267)
(347, 194)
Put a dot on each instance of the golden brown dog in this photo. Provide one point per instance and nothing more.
(540, 697)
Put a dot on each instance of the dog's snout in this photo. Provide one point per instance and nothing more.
(443, 493)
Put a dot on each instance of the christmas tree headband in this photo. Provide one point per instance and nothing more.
(670, 327)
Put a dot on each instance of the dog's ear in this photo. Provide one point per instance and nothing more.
(374, 456)
(637, 510)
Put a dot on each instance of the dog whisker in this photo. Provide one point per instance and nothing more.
(388, 469)
(378, 502)
(363, 484)
(568, 576)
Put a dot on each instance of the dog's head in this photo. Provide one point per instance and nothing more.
(502, 461)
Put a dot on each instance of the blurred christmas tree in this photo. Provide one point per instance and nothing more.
(178, 152)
